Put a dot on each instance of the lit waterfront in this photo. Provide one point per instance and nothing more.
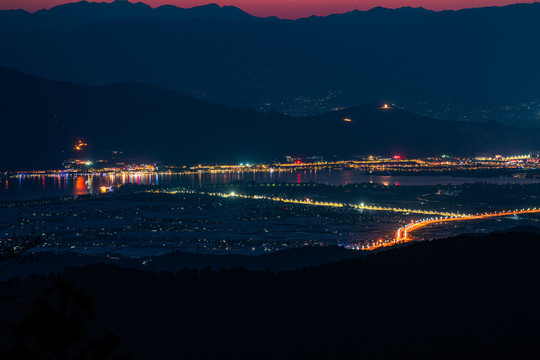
(34, 186)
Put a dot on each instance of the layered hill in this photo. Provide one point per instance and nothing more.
(42, 120)
(483, 56)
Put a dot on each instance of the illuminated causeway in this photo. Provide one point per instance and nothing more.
(329, 204)
(402, 235)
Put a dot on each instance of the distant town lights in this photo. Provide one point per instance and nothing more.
(80, 145)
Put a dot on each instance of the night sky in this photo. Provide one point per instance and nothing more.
(287, 8)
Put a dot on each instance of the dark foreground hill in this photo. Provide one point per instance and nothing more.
(463, 297)
(43, 119)
(289, 259)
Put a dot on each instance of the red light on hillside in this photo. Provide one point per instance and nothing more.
(397, 157)
(298, 162)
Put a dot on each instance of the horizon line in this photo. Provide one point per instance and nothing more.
(160, 3)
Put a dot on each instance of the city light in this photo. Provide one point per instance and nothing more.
(80, 145)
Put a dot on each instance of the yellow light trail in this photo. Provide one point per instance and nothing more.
(402, 235)
(332, 204)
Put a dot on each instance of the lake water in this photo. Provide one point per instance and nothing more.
(25, 187)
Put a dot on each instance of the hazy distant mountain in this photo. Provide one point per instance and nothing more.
(484, 56)
(42, 119)
(73, 15)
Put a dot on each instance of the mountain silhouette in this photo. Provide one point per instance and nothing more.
(466, 58)
(70, 16)
(42, 120)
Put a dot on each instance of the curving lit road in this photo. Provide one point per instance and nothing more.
(402, 235)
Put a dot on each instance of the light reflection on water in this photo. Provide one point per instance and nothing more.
(25, 187)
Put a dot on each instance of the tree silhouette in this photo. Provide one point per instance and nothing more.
(12, 249)
(56, 327)
(53, 324)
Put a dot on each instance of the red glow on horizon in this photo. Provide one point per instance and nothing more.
(290, 9)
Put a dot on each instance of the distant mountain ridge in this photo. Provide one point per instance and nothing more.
(70, 16)
(42, 119)
(461, 59)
